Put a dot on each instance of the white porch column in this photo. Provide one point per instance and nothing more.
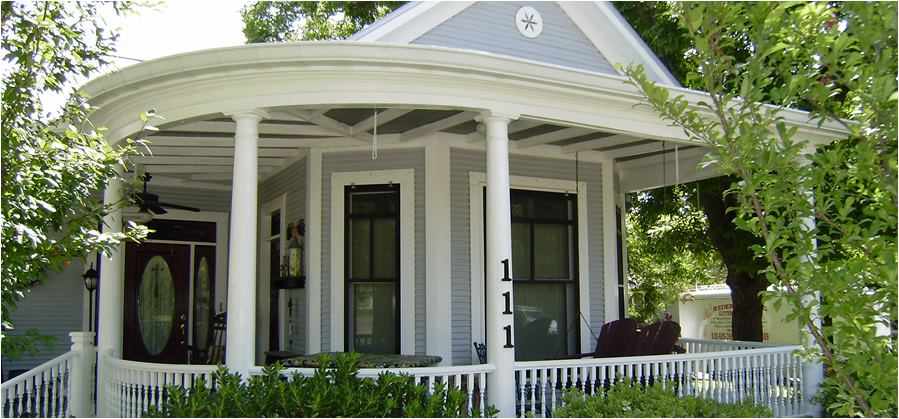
(110, 309)
(241, 328)
(498, 290)
(437, 243)
(609, 244)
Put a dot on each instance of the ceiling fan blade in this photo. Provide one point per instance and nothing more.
(180, 207)
(156, 208)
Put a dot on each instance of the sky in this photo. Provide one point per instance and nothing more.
(172, 27)
(178, 26)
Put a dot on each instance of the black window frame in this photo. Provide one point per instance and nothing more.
(349, 190)
(574, 253)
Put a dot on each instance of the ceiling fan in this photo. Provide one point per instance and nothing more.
(149, 203)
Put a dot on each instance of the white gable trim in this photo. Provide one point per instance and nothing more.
(409, 24)
(599, 21)
(615, 38)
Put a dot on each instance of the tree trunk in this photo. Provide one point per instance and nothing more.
(743, 267)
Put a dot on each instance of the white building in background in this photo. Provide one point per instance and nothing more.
(705, 313)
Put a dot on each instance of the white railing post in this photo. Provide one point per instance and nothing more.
(82, 368)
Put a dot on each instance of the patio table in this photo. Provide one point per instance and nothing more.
(368, 360)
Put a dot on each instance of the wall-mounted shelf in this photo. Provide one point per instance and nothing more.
(286, 282)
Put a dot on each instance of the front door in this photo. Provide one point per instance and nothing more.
(157, 288)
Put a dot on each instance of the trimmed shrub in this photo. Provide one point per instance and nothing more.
(626, 399)
(335, 390)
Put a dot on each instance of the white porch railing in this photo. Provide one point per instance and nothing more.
(471, 379)
(772, 376)
(59, 388)
(42, 391)
(695, 346)
(132, 387)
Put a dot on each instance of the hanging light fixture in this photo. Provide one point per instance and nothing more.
(91, 282)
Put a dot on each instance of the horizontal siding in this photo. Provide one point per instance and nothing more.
(462, 162)
(465, 161)
(387, 160)
(55, 309)
(490, 27)
(292, 182)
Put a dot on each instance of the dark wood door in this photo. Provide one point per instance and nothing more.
(157, 285)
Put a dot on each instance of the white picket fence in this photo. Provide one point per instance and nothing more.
(771, 376)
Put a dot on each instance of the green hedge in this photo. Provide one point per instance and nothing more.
(333, 391)
(626, 399)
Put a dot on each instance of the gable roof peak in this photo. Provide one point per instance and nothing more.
(589, 35)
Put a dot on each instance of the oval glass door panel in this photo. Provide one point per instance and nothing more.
(156, 305)
(203, 305)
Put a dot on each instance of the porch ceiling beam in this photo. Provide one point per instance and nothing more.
(651, 159)
(435, 126)
(635, 149)
(598, 143)
(383, 118)
(266, 127)
(219, 151)
(187, 169)
(173, 141)
(212, 176)
(317, 117)
(201, 161)
(551, 137)
(514, 126)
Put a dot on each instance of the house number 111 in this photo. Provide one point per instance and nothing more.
(507, 296)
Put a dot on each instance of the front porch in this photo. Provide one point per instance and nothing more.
(728, 371)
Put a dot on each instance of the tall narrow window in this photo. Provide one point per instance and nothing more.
(372, 268)
(544, 267)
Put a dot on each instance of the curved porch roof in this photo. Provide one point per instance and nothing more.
(324, 94)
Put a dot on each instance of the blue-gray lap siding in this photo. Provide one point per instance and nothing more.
(490, 27)
(55, 309)
(292, 182)
(464, 162)
(387, 160)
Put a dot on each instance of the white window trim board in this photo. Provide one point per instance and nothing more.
(477, 181)
(406, 179)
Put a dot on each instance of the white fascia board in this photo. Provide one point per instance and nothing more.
(213, 82)
(616, 39)
(412, 23)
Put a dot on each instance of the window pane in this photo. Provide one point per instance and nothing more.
(373, 325)
(551, 259)
(371, 203)
(551, 206)
(519, 203)
(360, 249)
(275, 226)
(521, 251)
(385, 248)
(541, 321)
(156, 305)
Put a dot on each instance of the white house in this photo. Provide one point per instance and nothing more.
(439, 151)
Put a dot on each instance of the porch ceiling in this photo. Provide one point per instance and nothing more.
(200, 152)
